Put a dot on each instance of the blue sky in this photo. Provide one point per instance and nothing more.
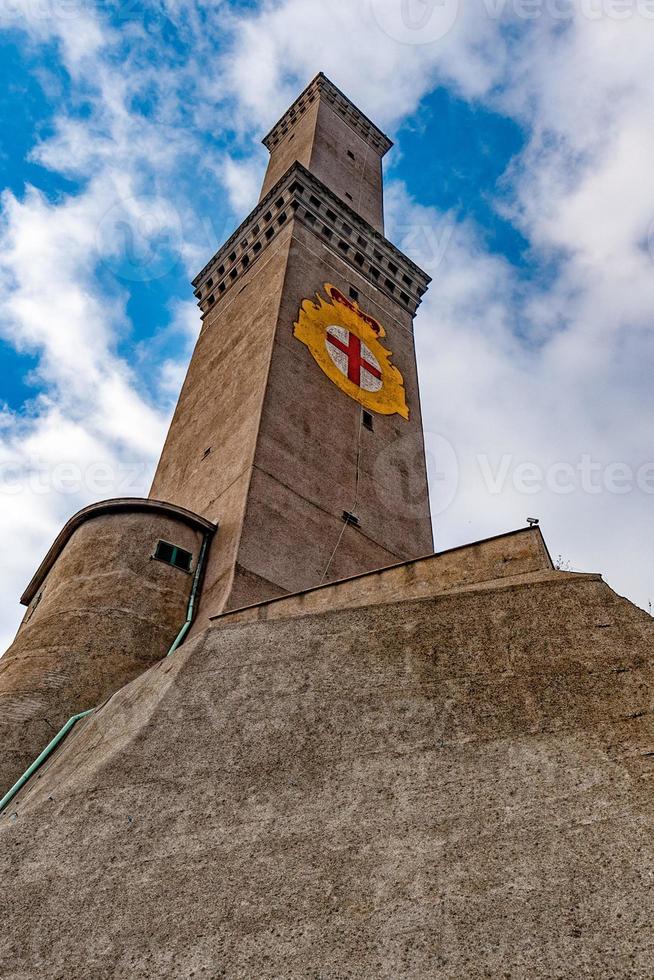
(521, 179)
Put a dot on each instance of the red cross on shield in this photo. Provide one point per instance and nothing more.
(353, 358)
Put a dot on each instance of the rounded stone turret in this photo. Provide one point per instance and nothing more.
(107, 601)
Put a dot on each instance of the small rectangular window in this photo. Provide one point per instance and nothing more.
(353, 293)
(351, 155)
(173, 555)
(367, 421)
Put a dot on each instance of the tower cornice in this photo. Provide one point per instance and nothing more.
(322, 87)
(299, 195)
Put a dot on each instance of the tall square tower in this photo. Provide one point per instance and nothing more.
(298, 428)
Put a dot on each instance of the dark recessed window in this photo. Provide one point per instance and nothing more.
(350, 519)
(367, 421)
(349, 196)
(353, 293)
(331, 215)
(173, 555)
(351, 155)
(314, 201)
(209, 283)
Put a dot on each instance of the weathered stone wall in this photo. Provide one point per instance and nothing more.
(219, 410)
(296, 145)
(104, 612)
(458, 787)
(305, 463)
(519, 553)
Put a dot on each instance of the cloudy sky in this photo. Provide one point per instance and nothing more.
(522, 179)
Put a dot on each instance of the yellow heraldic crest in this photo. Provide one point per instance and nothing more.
(345, 342)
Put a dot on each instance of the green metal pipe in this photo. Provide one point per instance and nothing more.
(197, 578)
(48, 750)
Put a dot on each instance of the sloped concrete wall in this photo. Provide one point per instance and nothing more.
(456, 787)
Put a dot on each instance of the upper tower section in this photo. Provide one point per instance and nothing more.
(325, 132)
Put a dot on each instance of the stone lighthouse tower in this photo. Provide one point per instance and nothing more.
(298, 427)
(295, 456)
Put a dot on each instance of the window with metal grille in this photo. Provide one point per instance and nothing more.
(173, 555)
